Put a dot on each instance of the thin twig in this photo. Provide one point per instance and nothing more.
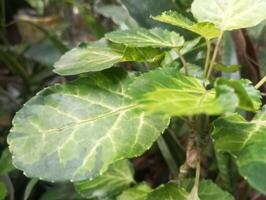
(214, 56)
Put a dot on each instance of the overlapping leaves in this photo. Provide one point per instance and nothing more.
(101, 55)
(75, 131)
(246, 142)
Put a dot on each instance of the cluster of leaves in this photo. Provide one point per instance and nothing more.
(84, 131)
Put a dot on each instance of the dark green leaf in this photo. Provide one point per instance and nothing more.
(6, 162)
(3, 191)
(246, 142)
(61, 192)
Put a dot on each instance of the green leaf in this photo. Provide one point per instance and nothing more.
(246, 142)
(61, 192)
(249, 97)
(117, 178)
(138, 192)
(6, 162)
(168, 192)
(227, 69)
(204, 29)
(74, 131)
(146, 38)
(3, 191)
(118, 14)
(167, 91)
(207, 190)
(101, 55)
(230, 14)
(86, 58)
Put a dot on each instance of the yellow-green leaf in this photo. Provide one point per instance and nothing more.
(205, 29)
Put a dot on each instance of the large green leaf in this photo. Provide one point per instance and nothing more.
(168, 192)
(74, 131)
(117, 178)
(204, 29)
(101, 55)
(138, 192)
(167, 91)
(249, 97)
(246, 142)
(230, 14)
(146, 38)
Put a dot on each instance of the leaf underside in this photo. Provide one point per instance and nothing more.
(230, 14)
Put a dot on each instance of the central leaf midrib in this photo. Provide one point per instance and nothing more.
(70, 125)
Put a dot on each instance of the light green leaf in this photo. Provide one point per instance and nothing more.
(6, 162)
(74, 131)
(167, 91)
(230, 14)
(207, 190)
(88, 58)
(138, 192)
(249, 97)
(117, 178)
(101, 55)
(204, 29)
(246, 142)
(146, 38)
(168, 192)
(3, 191)
(227, 69)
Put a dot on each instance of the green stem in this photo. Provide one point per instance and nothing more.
(260, 83)
(214, 56)
(208, 45)
(183, 60)
(197, 177)
(170, 161)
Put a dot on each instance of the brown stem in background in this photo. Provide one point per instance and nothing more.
(247, 57)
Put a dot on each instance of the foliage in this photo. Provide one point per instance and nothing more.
(85, 131)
